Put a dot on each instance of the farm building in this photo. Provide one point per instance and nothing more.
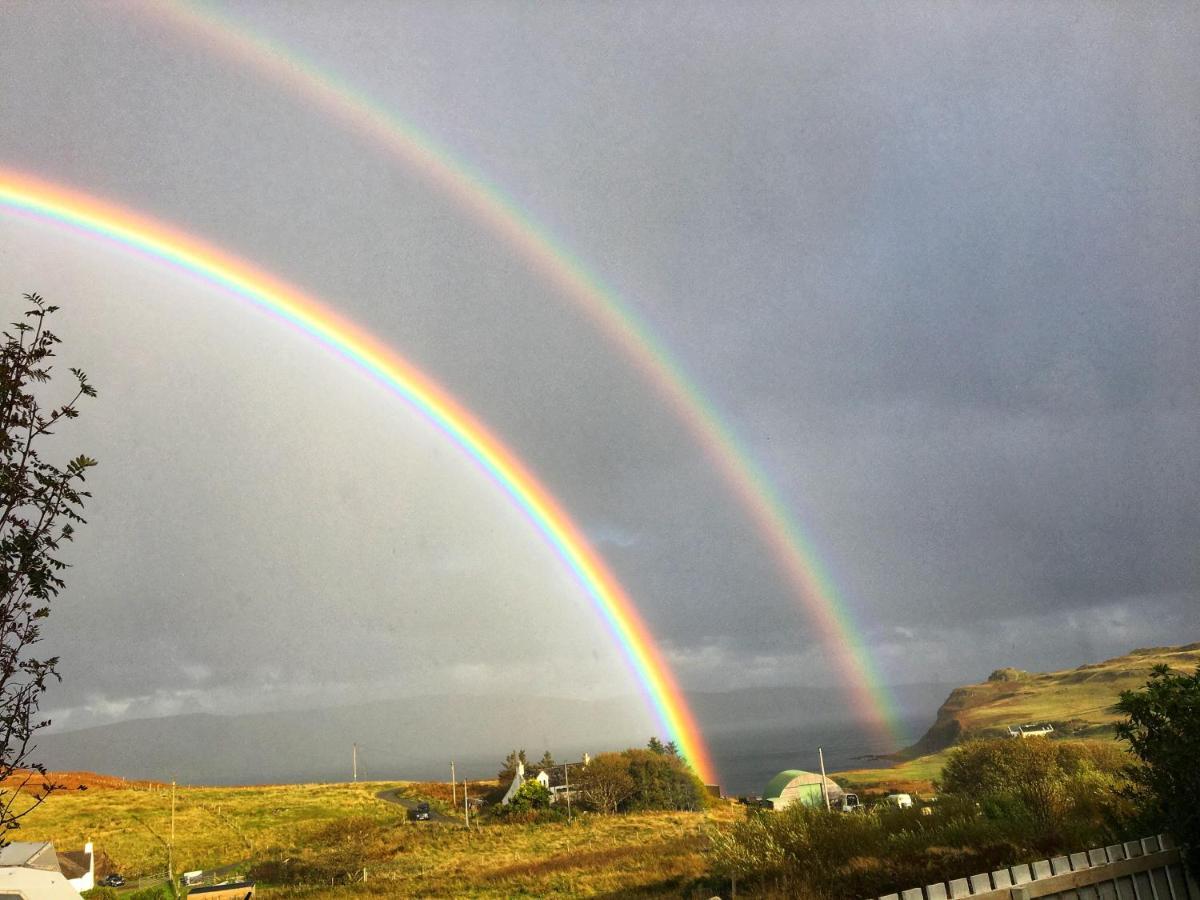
(1023, 731)
(794, 786)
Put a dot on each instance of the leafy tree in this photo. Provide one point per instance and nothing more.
(40, 503)
(547, 761)
(1162, 726)
(605, 782)
(670, 748)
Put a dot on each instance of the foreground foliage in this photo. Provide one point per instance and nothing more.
(40, 504)
(1004, 802)
(1163, 730)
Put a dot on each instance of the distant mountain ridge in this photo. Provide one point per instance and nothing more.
(1077, 702)
(416, 737)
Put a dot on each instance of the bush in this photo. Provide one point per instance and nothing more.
(662, 781)
(641, 780)
(100, 893)
(1056, 792)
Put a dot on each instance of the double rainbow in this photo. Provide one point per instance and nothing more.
(25, 196)
(794, 553)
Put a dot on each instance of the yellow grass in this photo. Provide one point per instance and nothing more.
(651, 854)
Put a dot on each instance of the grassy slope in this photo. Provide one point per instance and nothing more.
(646, 854)
(213, 826)
(1077, 701)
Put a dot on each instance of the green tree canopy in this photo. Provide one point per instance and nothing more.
(1162, 726)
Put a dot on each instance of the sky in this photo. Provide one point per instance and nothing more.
(933, 264)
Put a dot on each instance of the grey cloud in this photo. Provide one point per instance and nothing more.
(933, 264)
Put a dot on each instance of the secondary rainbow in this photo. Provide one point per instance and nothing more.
(791, 548)
(24, 195)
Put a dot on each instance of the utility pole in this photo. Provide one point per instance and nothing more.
(171, 845)
(355, 763)
(466, 806)
(453, 786)
(824, 789)
(567, 783)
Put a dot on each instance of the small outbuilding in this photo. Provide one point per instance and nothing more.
(795, 786)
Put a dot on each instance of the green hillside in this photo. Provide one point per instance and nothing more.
(1077, 702)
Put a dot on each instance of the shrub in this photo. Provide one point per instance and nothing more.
(100, 893)
(641, 780)
(1056, 792)
(662, 781)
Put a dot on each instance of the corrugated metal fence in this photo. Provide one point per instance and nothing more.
(1149, 869)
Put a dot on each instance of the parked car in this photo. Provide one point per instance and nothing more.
(421, 814)
(113, 880)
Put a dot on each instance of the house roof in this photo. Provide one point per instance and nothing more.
(75, 863)
(35, 883)
(30, 854)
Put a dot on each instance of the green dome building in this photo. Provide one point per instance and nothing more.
(795, 786)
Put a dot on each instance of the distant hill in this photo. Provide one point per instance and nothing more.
(1077, 702)
(410, 738)
(749, 731)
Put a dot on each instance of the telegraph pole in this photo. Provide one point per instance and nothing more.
(355, 763)
(567, 782)
(453, 786)
(171, 846)
(466, 806)
(824, 789)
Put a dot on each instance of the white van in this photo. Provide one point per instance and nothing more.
(901, 801)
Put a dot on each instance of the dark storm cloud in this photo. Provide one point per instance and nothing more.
(934, 264)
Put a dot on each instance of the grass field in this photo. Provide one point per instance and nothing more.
(652, 854)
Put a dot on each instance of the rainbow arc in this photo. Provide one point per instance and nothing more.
(25, 196)
(793, 551)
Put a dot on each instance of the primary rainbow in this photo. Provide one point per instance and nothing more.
(23, 195)
(792, 550)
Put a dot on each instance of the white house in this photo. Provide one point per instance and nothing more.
(542, 778)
